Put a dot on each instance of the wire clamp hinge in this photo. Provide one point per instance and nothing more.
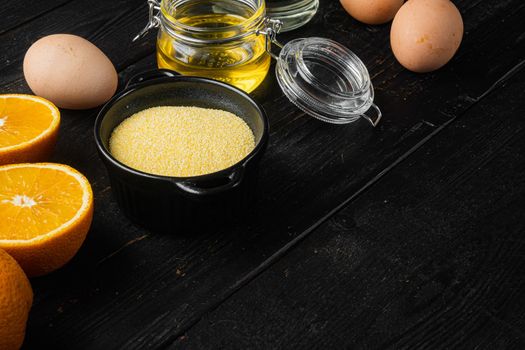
(271, 28)
(154, 19)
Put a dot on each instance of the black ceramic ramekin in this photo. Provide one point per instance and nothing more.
(175, 204)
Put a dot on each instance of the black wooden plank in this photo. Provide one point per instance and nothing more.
(14, 13)
(433, 256)
(129, 288)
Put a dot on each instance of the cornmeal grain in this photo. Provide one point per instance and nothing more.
(181, 141)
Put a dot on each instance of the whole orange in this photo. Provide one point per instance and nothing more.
(16, 297)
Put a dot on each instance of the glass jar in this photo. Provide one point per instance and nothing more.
(292, 13)
(231, 41)
(216, 39)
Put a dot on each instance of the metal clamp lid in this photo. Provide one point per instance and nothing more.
(271, 28)
(154, 19)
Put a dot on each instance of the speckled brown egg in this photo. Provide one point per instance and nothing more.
(372, 11)
(426, 34)
(70, 71)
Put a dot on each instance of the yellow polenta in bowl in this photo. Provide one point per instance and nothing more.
(181, 141)
(183, 153)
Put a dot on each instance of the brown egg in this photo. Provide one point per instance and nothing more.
(372, 11)
(70, 71)
(426, 34)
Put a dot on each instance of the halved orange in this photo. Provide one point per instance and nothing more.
(28, 128)
(46, 211)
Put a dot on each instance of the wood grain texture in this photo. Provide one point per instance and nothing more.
(14, 15)
(128, 288)
(432, 257)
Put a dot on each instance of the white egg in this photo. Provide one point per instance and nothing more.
(70, 71)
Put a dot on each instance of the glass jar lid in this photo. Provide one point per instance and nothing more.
(327, 81)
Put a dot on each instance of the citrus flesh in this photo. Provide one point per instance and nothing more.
(28, 128)
(46, 211)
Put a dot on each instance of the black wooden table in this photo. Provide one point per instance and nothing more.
(407, 236)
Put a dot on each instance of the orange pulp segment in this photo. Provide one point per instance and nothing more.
(46, 211)
(28, 128)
